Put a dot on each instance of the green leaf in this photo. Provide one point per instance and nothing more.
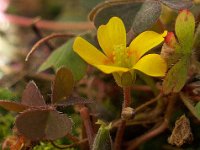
(135, 14)
(65, 56)
(7, 94)
(178, 4)
(190, 106)
(197, 37)
(13, 106)
(184, 27)
(43, 124)
(103, 140)
(143, 20)
(63, 85)
(197, 107)
(176, 77)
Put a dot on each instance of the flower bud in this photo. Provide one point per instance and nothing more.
(128, 113)
(170, 40)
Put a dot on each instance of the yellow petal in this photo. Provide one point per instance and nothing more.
(145, 42)
(152, 65)
(88, 52)
(112, 34)
(111, 69)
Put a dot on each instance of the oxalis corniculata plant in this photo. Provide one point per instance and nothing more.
(125, 42)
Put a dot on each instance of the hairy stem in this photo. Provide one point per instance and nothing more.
(84, 112)
(121, 129)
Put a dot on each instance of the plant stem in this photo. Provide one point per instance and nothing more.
(68, 146)
(133, 144)
(84, 112)
(121, 129)
(149, 102)
(39, 34)
(45, 39)
(127, 97)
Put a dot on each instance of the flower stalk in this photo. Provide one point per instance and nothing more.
(84, 112)
(121, 129)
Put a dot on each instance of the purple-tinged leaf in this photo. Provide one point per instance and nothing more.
(41, 124)
(32, 96)
(146, 16)
(74, 101)
(137, 15)
(13, 106)
(125, 9)
(178, 4)
(63, 85)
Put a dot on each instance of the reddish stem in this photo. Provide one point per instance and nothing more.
(84, 112)
(121, 129)
(127, 97)
(156, 131)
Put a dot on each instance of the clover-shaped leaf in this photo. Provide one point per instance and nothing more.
(41, 121)
(184, 28)
(43, 124)
(177, 75)
(70, 101)
(135, 14)
(63, 85)
(143, 20)
(178, 4)
(32, 96)
(13, 106)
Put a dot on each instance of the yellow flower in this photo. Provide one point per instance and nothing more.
(116, 57)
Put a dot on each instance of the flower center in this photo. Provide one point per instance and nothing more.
(122, 57)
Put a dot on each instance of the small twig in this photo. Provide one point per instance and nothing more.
(68, 146)
(121, 129)
(84, 112)
(135, 143)
(141, 107)
(38, 32)
(145, 137)
(120, 134)
(72, 138)
(40, 42)
(117, 123)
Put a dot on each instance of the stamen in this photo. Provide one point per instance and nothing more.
(121, 56)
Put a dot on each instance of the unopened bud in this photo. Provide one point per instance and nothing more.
(170, 40)
(128, 113)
